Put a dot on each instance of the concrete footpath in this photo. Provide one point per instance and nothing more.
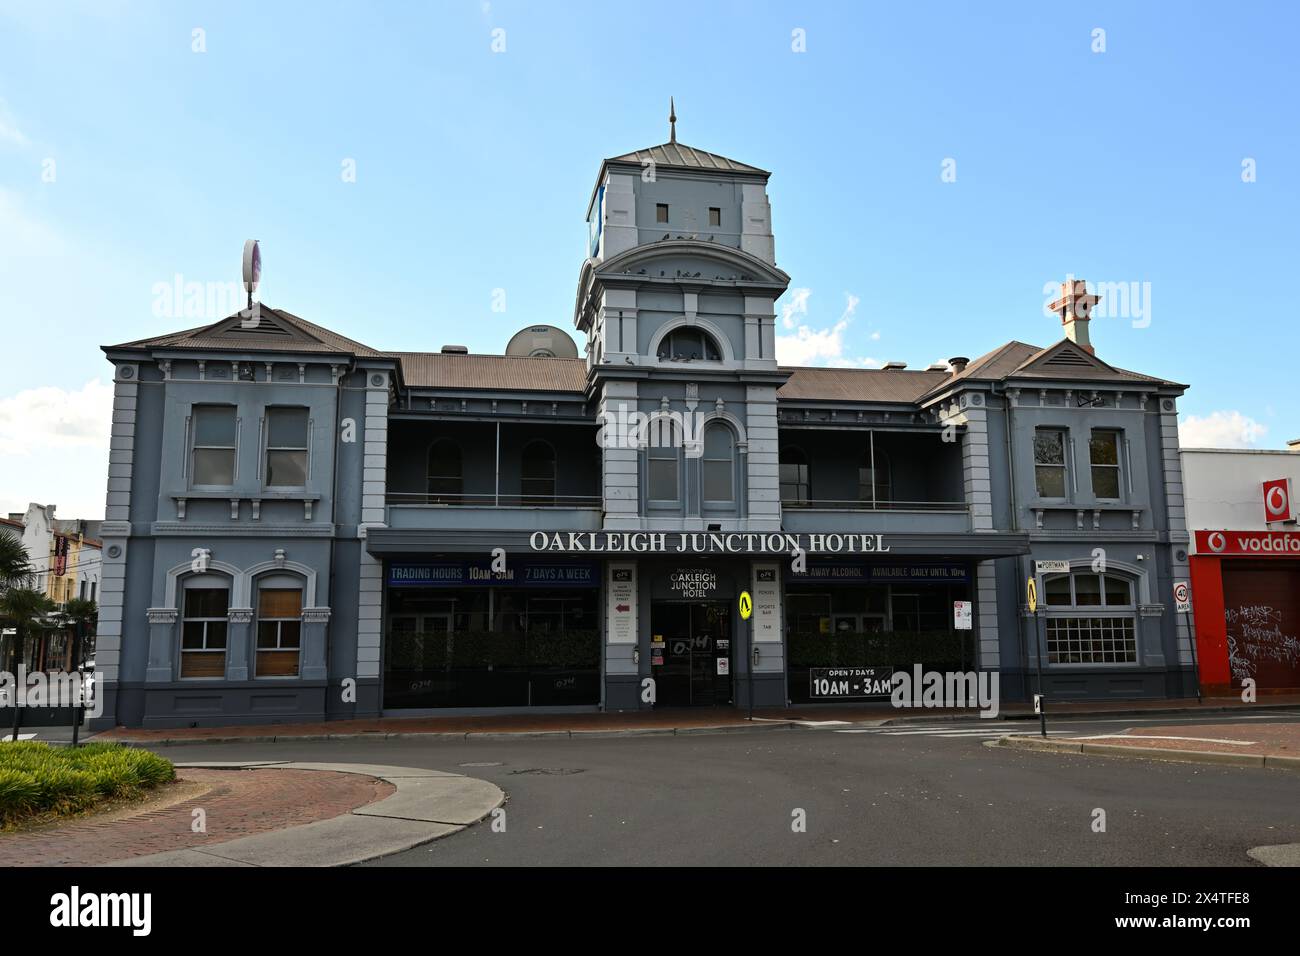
(425, 805)
(666, 721)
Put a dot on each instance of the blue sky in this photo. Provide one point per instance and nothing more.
(127, 158)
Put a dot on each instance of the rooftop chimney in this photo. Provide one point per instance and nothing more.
(455, 350)
(895, 365)
(1073, 307)
(958, 364)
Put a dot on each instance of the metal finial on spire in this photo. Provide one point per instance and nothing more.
(672, 121)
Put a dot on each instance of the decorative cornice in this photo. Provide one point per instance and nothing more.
(315, 615)
(161, 615)
(240, 615)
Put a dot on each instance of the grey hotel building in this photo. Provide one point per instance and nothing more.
(301, 527)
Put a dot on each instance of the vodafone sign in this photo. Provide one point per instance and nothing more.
(1265, 544)
(1277, 500)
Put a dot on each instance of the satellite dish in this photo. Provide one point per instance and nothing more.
(542, 341)
(252, 268)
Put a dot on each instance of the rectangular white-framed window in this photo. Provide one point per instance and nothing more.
(663, 471)
(1103, 457)
(287, 429)
(279, 632)
(204, 623)
(1049, 462)
(215, 446)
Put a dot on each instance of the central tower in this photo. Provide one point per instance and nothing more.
(676, 303)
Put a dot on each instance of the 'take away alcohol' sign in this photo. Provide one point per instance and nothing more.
(686, 542)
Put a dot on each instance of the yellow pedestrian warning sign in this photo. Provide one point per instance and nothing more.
(1031, 595)
(746, 605)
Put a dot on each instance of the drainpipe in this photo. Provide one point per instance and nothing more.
(1001, 389)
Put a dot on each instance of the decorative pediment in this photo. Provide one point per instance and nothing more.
(681, 258)
(1064, 360)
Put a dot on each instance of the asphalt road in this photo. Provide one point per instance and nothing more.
(866, 799)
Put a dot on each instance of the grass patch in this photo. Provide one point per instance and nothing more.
(37, 780)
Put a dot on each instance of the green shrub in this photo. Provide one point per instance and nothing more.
(37, 778)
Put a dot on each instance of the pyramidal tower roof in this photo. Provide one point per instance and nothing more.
(678, 155)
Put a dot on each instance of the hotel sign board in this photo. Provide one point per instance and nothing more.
(712, 542)
(445, 574)
(881, 573)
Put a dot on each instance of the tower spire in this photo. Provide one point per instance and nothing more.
(672, 121)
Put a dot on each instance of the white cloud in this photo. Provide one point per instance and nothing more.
(817, 346)
(1224, 429)
(54, 444)
(875, 336)
(9, 131)
(796, 305)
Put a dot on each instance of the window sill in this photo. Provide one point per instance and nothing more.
(1044, 505)
(308, 501)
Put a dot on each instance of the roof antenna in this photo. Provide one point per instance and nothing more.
(672, 121)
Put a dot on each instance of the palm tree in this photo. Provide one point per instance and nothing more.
(27, 608)
(15, 565)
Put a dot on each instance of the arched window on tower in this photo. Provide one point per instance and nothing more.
(689, 344)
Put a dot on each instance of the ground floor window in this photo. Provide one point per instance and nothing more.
(279, 632)
(203, 632)
(1091, 640)
(508, 646)
(877, 625)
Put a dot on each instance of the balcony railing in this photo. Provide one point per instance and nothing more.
(831, 504)
(443, 500)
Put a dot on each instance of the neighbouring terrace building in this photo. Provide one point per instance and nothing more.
(301, 526)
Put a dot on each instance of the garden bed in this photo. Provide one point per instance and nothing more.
(39, 782)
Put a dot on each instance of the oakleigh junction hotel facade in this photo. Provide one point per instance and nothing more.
(303, 527)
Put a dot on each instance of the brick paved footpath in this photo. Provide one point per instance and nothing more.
(1256, 739)
(237, 803)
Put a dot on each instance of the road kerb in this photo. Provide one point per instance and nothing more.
(1217, 757)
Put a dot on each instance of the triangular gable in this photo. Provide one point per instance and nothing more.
(1062, 360)
(265, 324)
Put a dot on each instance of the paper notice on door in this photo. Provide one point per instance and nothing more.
(724, 665)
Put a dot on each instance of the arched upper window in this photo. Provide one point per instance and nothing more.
(445, 473)
(874, 478)
(537, 474)
(718, 466)
(689, 344)
(795, 477)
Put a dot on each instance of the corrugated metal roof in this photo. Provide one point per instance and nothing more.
(505, 372)
(686, 157)
(858, 384)
(280, 331)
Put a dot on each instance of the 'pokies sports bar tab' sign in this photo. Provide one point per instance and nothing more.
(449, 574)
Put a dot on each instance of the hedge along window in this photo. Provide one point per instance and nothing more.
(203, 629)
(1103, 453)
(216, 431)
(1049, 462)
(1091, 619)
(718, 467)
(279, 631)
(286, 447)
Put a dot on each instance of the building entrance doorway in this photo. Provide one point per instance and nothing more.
(691, 653)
